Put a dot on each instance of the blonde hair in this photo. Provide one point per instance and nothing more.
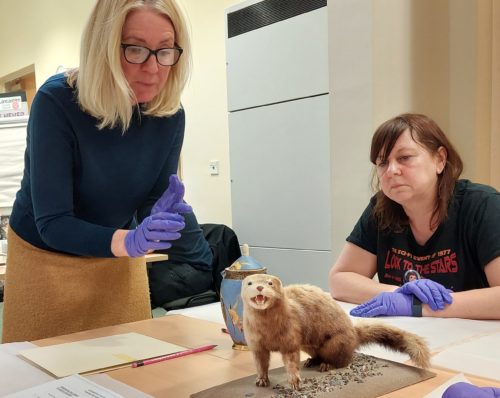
(102, 89)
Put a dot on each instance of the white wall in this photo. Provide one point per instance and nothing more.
(205, 100)
(44, 33)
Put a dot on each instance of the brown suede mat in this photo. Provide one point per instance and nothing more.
(49, 294)
(366, 377)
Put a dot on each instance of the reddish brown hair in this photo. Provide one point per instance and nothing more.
(427, 133)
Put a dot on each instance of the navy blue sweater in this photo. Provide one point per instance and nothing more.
(80, 183)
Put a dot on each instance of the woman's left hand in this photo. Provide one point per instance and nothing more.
(435, 295)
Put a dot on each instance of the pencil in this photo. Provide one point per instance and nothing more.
(162, 358)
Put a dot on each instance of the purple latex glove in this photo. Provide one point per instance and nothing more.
(466, 390)
(385, 304)
(172, 199)
(154, 233)
(428, 292)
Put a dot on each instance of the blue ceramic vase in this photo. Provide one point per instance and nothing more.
(230, 295)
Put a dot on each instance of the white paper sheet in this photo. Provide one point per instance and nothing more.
(209, 312)
(71, 386)
(438, 392)
(116, 386)
(13, 367)
(480, 357)
(439, 333)
(16, 374)
(98, 354)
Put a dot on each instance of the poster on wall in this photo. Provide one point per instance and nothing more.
(13, 107)
(12, 148)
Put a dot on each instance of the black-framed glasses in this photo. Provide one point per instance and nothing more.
(138, 54)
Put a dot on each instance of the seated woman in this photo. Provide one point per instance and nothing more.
(425, 219)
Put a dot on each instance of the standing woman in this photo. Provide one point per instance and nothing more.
(103, 141)
(426, 220)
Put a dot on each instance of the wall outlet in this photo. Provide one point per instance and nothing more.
(213, 167)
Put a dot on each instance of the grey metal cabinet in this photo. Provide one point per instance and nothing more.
(279, 129)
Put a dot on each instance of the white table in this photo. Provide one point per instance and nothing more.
(462, 345)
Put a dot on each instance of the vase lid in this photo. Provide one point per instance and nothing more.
(245, 261)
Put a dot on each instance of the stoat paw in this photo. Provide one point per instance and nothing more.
(311, 362)
(262, 381)
(295, 381)
(325, 367)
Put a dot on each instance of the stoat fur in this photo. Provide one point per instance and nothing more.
(301, 317)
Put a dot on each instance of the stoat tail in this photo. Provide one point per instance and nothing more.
(395, 339)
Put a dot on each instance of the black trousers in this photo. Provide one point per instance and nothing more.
(169, 281)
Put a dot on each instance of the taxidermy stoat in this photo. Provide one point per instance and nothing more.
(302, 317)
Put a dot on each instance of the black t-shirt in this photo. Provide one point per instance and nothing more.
(456, 253)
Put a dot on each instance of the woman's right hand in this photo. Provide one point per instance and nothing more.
(428, 292)
(172, 200)
(154, 233)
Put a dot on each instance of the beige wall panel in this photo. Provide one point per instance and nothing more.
(495, 97)
(483, 104)
(463, 45)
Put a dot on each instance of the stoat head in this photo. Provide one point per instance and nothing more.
(261, 291)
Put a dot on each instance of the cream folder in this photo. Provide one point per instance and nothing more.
(89, 356)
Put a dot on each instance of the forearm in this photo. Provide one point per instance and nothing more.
(118, 243)
(69, 234)
(354, 288)
(472, 304)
